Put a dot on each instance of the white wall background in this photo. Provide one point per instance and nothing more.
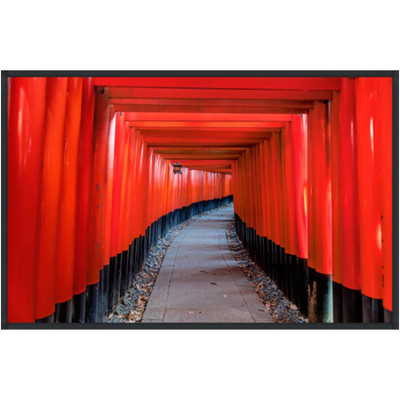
(199, 35)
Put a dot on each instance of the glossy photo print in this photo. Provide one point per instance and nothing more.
(200, 199)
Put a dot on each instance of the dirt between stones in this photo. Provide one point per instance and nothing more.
(277, 304)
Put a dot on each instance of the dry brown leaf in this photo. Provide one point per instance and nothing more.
(133, 316)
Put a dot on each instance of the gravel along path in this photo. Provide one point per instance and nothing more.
(276, 303)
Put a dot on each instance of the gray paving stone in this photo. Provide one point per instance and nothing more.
(208, 315)
(200, 281)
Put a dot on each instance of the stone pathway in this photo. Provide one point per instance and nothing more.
(200, 281)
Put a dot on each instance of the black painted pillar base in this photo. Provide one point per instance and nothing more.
(324, 298)
(118, 278)
(63, 312)
(337, 302)
(387, 316)
(92, 296)
(102, 309)
(112, 277)
(372, 309)
(79, 307)
(302, 286)
(124, 273)
(352, 305)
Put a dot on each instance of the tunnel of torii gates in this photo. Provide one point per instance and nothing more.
(91, 186)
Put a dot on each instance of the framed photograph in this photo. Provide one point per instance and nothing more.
(200, 199)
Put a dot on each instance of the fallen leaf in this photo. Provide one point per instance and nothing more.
(225, 295)
(213, 283)
(190, 312)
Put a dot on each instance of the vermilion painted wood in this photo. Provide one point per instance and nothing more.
(270, 198)
(169, 187)
(322, 207)
(208, 125)
(285, 149)
(198, 149)
(139, 195)
(349, 223)
(64, 278)
(128, 225)
(109, 174)
(135, 184)
(116, 188)
(262, 178)
(83, 181)
(369, 187)
(278, 189)
(121, 246)
(299, 182)
(216, 110)
(311, 202)
(98, 187)
(144, 184)
(26, 112)
(386, 178)
(264, 190)
(220, 102)
(203, 134)
(52, 170)
(258, 189)
(336, 162)
(223, 118)
(291, 150)
(217, 94)
(274, 83)
(151, 187)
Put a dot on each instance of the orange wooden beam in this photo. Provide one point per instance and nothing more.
(179, 156)
(274, 83)
(213, 102)
(201, 125)
(139, 108)
(226, 118)
(242, 94)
